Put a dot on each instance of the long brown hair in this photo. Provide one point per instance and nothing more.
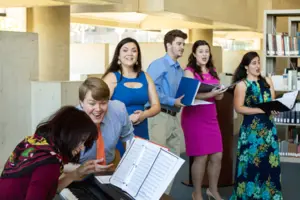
(241, 72)
(115, 67)
(192, 62)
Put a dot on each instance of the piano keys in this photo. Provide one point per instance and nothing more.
(91, 189)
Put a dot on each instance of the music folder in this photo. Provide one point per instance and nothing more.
(209, 87)
(189, 87)
(146, 170)
(285, 103)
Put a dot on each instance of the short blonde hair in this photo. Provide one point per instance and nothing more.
(99, 89)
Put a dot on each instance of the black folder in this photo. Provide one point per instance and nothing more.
(273, 106)
(209, 87)
(283, 104)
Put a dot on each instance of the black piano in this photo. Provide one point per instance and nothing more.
(91, 189)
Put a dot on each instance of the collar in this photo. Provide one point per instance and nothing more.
(171, 62)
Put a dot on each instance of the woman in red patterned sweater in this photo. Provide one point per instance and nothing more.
(34, 167)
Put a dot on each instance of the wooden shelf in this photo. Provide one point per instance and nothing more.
(289, 159)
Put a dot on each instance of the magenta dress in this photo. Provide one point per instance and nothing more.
(200, 125)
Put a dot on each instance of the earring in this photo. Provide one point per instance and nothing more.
(119, 62)
(136, 63)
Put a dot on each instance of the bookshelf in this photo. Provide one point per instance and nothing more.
(293, 23)
(284, 46)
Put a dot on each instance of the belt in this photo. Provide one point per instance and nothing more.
(170, 112)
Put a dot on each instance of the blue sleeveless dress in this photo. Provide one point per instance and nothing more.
(134, 99)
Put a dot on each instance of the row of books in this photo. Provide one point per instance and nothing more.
(288, 154)
(289, 117)
(287, 148)
(281, 44)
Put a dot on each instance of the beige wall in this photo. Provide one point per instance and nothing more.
(243, 13)
(18, 65)
(261, 6)
(51, 96)
(93, 58)
(231, 60)
(152, 51)
(53, 27)
(88, 58)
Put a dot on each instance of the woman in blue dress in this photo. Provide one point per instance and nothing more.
(258, 165)
(129, 84)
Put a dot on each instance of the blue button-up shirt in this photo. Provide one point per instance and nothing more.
(115, 125)
(166, 74)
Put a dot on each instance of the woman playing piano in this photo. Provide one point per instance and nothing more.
(34, 167)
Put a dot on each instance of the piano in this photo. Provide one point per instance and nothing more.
(91, 189)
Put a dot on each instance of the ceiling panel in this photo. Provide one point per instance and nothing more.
(31, 3)
(94, 2)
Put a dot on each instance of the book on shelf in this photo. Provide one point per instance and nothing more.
(289, 117)
(146, 170)
(281, 44)
(282, 104)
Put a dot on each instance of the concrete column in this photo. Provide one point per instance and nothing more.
(53, 27)
(201, 34)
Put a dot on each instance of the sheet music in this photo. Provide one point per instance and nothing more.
(288, 99)
(146, 170)
(161, 174)
(142, 169)
(199, 102)
(124, 169)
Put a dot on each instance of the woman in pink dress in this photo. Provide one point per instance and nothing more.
(202, 134)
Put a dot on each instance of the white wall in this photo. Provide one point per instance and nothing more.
(47, 97)
(87, 59)
(18, 65)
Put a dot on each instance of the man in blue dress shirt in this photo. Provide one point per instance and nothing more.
(166, 73)
(112, 117)
(113, 121)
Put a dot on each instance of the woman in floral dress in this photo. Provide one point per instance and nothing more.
(258, 164)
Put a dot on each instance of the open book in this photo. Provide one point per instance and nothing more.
(285, 103)
(209, 87)
(146, 170)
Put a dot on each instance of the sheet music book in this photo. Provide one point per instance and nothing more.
(285, 103)
(146, 170)
(209, 87)
(189, 87)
